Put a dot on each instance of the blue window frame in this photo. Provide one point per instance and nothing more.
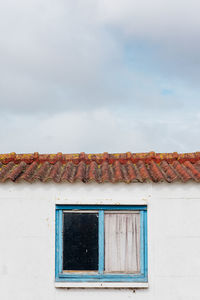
(100, 275)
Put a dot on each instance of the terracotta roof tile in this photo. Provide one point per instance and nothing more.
(168, 172)
(181, 171)
(104, 167)
(5, 170)
(41, 171)
(67, 171)
(16, 171)
(55, 172)
(191, 169)
(81, 172)
(105, 174)
(131, 172)
(125, 173)
(118, 176)
(142, 167)
(30, 171)
(93, 172)
(155, 172)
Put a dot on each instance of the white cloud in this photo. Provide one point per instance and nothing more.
(74, 76)
(51, 53)
(154, 20)
(99, 131)
(69, 55)
(171, 28)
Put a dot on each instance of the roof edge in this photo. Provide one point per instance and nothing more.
(99, 158)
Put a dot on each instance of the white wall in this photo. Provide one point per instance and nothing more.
(27, 241)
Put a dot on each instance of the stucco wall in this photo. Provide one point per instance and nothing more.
(27, 241)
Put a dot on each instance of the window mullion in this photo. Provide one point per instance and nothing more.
(142, 242)
(145, 245)
(60, 240)
(101, 241)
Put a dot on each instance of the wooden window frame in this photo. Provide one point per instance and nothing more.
(100, 276)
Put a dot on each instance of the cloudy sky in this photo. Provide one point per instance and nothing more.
(99, 75)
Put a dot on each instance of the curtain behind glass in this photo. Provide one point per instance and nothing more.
(122, 242)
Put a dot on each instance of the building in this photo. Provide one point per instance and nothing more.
(79, 226)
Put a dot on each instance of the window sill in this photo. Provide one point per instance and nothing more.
(112, 285)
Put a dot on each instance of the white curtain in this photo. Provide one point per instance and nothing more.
(122, 242)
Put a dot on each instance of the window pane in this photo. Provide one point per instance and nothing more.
(80, 241)
(122, 242)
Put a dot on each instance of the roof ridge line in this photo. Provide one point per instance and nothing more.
(99, 157)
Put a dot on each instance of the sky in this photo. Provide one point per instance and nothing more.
(99, 76)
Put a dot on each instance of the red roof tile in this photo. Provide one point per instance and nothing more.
(120, 167)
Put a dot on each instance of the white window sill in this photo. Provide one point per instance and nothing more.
(112, 285)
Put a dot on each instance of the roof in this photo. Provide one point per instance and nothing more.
(120, 167)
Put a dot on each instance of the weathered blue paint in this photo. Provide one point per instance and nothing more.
(145, 246)
(142, 242)
(103, 207)
(103, 279)
(101, 241)
(56, 245)
(141, 277)
(72, 275)
(60, 238)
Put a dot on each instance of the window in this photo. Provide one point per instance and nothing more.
(101, 243)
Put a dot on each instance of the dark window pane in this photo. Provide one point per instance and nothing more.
(80, 241)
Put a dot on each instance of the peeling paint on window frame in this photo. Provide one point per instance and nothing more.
(63, 276)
